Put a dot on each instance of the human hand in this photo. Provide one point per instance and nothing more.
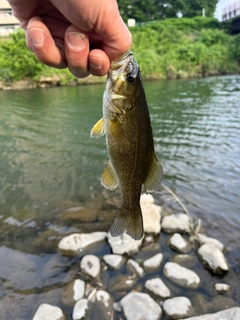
(83, 35)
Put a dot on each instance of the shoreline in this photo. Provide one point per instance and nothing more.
(56, 81)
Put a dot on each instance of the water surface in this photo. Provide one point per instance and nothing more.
(48, 164)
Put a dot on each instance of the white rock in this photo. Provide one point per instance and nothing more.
(104, 297)
(139, 306)
(117, 306)
(178, 243)
(81, 309)
(103, 307)
(178, 307)
(146, 198)
(90, 265)
(134, 267)
(151, 217)
(124, 244)
(73, 292)
(48, 312)
(77, 242)
(178, 222)
(204, 239)
(228, 314)
(180, 275)
(213, 258)
(158, 287)
(113, 261)
(78, 289)
(153, 263)
(222, 287)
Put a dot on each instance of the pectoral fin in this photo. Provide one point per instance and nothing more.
(155, 175)
(98, 130)
(108, 178)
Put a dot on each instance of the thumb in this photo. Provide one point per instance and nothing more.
(114, 33)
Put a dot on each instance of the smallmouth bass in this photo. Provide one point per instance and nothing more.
(132, 160)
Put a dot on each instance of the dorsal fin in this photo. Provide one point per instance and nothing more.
(108, 178)
(155, 175)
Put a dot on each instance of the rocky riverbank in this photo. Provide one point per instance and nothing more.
(48, 82)
(147, 279)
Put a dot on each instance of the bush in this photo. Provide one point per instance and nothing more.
(16, 60)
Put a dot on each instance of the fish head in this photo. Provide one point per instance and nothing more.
(124, 76)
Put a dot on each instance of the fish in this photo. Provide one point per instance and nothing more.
(129, 140)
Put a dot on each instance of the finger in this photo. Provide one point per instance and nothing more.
(98, 62)
(23, 9)
(112, 30)
(49, 51)
(114, 33)
(76, 51)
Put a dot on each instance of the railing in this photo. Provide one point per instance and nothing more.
(231, 11)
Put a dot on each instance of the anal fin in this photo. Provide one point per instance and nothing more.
(155, 175)
(108, 178)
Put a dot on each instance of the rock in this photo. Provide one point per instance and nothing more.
(48, 81)
(122, 282)
(204, 239)
(103, 306)
(146, 198)
(201, 303)
(222, 287)
(80, 214)
(178, 222)
(213, 258)
(178, 243)
(90, 265)
(140, 306)
(153, 263)
(81, 310)
(48, 312)
(221, 302)
(77, 242)
(178, 307)
(157, 287)
(117, 306)
(187, 260)
(134, 267)
(151, 215)
(73, 292)
(180, 275)
(124, 244)
(114, 261)
(228, 314)
(148, 239)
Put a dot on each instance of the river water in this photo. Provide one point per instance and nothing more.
(48, 162)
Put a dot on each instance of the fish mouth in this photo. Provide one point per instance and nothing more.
(122, 62)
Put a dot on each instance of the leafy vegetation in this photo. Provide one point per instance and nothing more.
(148, 10)
(179, 48)
(170, 48)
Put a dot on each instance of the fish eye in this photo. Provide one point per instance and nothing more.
(130, 77)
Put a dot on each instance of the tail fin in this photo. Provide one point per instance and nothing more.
(129, 221)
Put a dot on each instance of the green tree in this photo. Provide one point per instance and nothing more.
(194, 7)
(148, 10)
